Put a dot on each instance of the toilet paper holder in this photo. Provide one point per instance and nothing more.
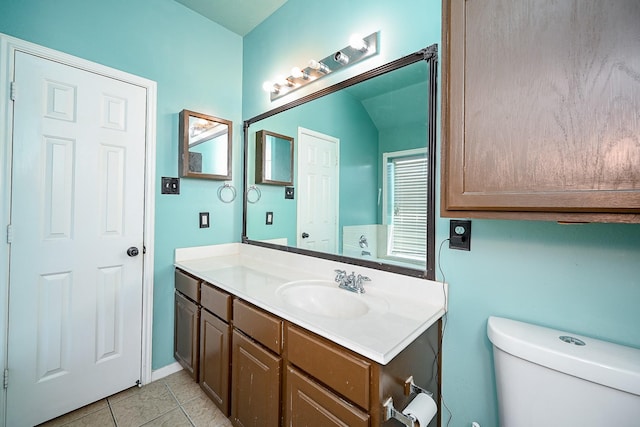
(390, 412)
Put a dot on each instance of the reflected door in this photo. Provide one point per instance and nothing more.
(75, 292)
(318, 175)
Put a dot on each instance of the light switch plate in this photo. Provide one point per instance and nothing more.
(204, 219)
(170, 185)
(269, 218)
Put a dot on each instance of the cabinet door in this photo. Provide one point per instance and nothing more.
(214, 359)
(186, 331)
(541, 109)
(309, 404)
(255, 395)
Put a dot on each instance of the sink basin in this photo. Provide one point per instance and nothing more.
(324, 298)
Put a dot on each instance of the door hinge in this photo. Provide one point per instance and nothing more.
(9, 233)
(5, 381)
(13, 89)
(144, 250)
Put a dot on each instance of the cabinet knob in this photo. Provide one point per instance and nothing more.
(305, 235)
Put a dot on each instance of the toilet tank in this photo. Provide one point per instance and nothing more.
(546, 377)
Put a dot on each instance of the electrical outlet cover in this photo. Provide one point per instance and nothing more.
(289, 192)
(460, 234)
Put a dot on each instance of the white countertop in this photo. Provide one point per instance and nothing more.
(255, 274)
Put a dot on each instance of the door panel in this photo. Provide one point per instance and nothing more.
(318, 176)
(75, 297)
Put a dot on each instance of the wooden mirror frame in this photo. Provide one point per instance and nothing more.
(428, 54)
(183, 164)
(261, 146)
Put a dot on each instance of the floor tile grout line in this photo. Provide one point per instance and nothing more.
(113, 416)
(184, 411)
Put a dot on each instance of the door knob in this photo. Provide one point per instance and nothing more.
(133, 251)
(305, 235)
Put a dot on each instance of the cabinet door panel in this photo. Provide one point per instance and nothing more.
(214, 359)
(186, 334)
(541, 108)
(310, 404)
(255, 398)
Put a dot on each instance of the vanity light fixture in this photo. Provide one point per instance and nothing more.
(359, 48)
(358, 43)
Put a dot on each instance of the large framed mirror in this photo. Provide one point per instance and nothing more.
(363, 171)
(205, 146)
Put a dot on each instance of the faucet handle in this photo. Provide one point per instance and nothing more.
(340, 274)
(359, 281)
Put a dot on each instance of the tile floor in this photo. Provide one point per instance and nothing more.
(173, 401)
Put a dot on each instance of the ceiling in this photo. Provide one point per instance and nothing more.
(239, 16)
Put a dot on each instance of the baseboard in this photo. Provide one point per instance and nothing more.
(165, 371)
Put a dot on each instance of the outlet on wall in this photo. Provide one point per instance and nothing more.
(460, 234)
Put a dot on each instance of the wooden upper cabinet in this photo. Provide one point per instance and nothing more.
(541, 110)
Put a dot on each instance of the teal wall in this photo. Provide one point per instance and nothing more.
(582, 278)
(338, 115)
(197, 65)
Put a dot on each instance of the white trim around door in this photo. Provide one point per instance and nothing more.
(8, 47)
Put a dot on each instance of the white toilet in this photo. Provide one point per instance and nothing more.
(550, 378)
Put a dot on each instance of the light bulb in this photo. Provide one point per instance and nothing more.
(296, 72)
(270, 87)
(319, 66)
(357, 42)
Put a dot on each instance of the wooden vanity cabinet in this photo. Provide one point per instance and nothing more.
(256, 367)
(187, 322)
(215, 345)
(262, 371)
(310, 404)
(327, 384)
(540, 110)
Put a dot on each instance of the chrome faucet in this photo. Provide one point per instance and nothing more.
(351, 282)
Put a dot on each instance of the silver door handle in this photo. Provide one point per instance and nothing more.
(133, 251)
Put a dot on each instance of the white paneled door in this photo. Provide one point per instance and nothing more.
(318, 176)
(75, 292)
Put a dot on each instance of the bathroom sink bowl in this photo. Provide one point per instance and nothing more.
(324, 298)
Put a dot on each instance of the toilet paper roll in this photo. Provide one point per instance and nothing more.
(422, 409)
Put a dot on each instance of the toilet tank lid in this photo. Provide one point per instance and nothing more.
(602, 362)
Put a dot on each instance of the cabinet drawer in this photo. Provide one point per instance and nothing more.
(187, 285)
(330, 364)
(259, 325)
(308, 403)
(215, 301)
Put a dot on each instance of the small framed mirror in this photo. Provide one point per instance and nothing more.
(205, 146)
(274, 158)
